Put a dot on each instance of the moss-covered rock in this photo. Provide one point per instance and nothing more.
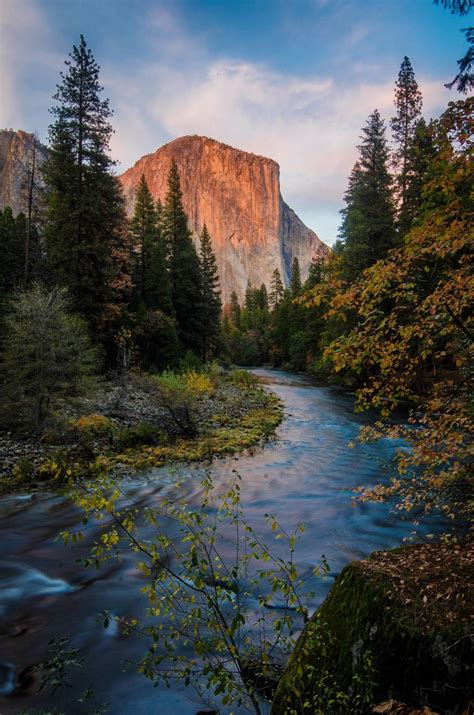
(394, 625)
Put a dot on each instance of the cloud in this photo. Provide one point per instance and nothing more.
(311, 126)
(26, 58)
(173, 85)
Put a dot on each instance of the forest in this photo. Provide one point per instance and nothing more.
(98, 308)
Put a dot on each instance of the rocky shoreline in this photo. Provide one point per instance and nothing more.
(126, 407)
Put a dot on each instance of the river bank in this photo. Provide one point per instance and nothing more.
(307, 474)
(131, 425)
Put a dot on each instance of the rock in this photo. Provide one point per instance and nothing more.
(395, 707)
(376, 625)
(237, 195)
(15, 162)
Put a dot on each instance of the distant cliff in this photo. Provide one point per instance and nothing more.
(16, 152)
(237, 195)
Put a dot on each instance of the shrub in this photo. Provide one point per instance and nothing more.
(179, 400)
(24, 470)
(141, 433)
(56, 467)
(243, 378)
(92, 424)
(199, 383)
(46, 353)
(190, 361)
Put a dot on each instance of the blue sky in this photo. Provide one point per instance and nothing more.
(290, 79)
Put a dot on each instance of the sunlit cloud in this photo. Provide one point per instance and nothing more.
(310, 126)
(309, 122)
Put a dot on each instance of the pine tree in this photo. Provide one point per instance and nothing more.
(276, 290)
(262, 298)
(144, 232)
(12, 238)
(157, 279)
(420, 157)
(295, 281)
(249, 298)
(408, 102)
(367, 231)
(150, 271)
(316, 273)
(154, 330)
(210, 296)
(184, 268)
(85, 232)
(47, 353)
(235, 309)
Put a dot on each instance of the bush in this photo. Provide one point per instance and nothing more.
(92, 424)
(242, 378)
(24, 470)
(179, 399)
(189, 362)
(141, 433)
(47, 354)
(199, 383)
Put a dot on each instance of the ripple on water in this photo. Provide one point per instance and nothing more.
(20, 581)
(7, 678)
(308, 475)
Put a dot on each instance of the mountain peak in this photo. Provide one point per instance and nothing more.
(237, 195)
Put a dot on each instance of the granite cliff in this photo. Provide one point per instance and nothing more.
(237, 195)
(16, 153)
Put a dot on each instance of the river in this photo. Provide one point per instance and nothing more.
(307, 474)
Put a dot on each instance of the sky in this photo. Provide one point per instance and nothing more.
(294, 80)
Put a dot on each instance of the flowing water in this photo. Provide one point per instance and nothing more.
(307, 474)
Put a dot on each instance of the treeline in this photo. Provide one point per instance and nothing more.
(272, 327)
(390, 194)
(384, 200)
(390, 312)
(392, 308)
(145, 293)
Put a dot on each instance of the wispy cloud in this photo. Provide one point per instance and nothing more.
(311, 126)
(173, 85)
(27, 55)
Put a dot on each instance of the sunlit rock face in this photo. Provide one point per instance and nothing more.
(16, 153)
(237, 195)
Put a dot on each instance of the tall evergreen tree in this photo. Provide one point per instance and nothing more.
(408, 102)
(85, 232)
(234, 309)
(276, 290)
(262, 298)
(150, 271)
(249, 298)
(154, 330)
(367, 231)
(464, 80)
(316, 272)
(184, 268)
(211, 295)
(295, 280)
(420, 156)
(12, 235)
(144, 230)
(157, 279)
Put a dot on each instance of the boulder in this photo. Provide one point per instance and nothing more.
(395, 625)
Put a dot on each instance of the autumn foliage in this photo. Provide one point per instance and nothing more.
(408, 329)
